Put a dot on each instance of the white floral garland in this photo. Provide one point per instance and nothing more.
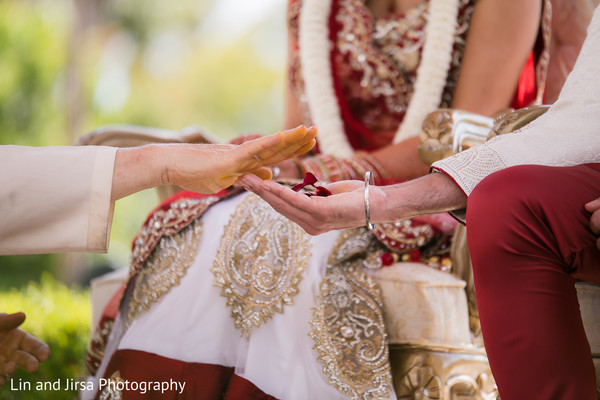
(318, 79)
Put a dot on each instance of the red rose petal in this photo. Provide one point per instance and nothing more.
(321, 191)
(309, 180)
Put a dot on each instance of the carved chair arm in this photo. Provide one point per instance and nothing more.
(135, 135)
(446, 132)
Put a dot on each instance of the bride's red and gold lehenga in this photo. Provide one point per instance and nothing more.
(235, 301)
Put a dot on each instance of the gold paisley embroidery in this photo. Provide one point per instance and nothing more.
(259, 263)
(348, 327)
(111, 390)
(97, 346)
(163, 222)
(166, 222)
(164, 268)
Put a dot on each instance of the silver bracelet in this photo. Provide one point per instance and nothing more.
(368, 181)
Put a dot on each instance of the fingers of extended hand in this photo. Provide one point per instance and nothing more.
(593, 205)
(10, 321)
(23, 350)
(272, 149)
(288, 152)
(264, 147)
(7, 367)
(595, 222)
(290, 146)
(263, 173)
(35, 347)
(25, 360)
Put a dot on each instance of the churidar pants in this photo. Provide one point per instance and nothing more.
(529, 238)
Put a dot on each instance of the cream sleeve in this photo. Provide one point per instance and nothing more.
(567, 134)
(55, 199)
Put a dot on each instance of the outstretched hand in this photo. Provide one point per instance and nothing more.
(18, 348)
(212, 167)
(205, 168)
(315, 214)
(594, 208)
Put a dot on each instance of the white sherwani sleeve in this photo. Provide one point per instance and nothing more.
(55, 199)
(567, 134)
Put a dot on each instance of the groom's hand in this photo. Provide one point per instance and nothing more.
(315, 214)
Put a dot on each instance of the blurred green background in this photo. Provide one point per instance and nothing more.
(68, 67)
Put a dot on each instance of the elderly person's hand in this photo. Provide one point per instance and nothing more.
(205, 168)
(220, 166)
(286, 169)
(594, 207)
(18, 348)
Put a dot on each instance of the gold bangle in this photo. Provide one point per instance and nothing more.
(368, 181)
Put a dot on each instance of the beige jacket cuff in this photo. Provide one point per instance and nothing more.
(55, 199)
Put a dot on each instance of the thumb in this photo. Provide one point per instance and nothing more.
(263, 173)
(11, 321)
(593, 205)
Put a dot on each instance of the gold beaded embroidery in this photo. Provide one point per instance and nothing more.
(97, 346)
(376, 60)
(111, 391)
(259, 263)
(164, 223)
(404, 235)
(348, 327)
(164, 269)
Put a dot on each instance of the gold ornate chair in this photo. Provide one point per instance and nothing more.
(427, 312)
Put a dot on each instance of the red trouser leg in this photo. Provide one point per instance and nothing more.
(529, 238)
